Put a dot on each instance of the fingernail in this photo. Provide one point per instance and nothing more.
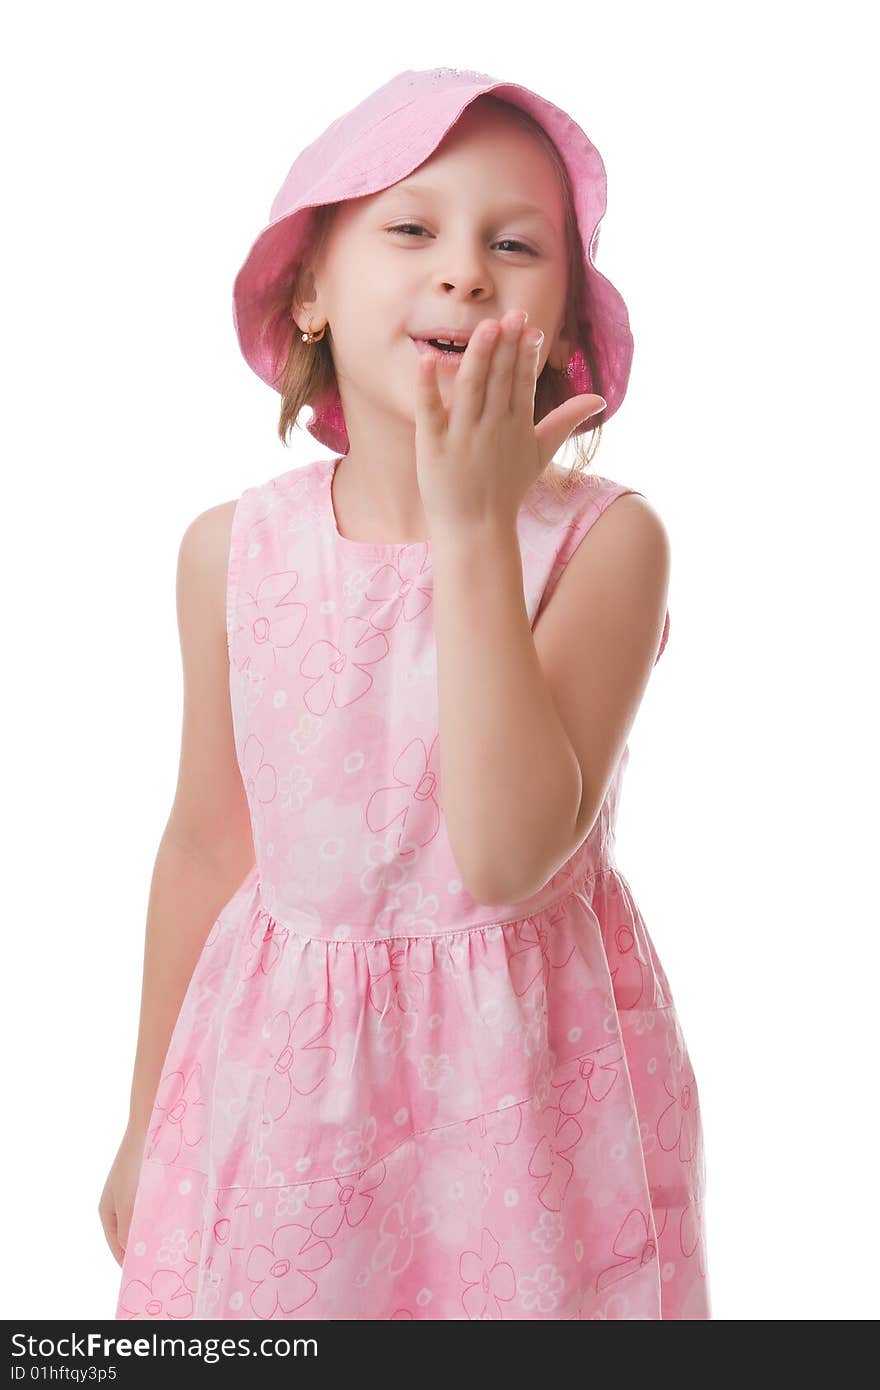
(536, 337)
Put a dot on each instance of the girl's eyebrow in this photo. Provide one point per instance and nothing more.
(512, 210)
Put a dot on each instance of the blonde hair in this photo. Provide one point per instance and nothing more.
(309, 375)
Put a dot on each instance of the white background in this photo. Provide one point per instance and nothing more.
(144, 145)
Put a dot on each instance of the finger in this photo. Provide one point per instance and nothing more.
(499, 394)
(470, 386)
(526, 374)
(552, 432)
(430, 410)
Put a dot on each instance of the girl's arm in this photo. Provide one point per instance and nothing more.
(533, 726)
(188, 889)
(206, 848)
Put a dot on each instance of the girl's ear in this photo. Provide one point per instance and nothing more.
(304, 301)
(560, 354)
(564, 344)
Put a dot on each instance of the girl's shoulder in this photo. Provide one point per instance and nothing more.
(269, 498)
(570, 500)
(302, 477)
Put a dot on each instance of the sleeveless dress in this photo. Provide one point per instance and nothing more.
(381, 1098)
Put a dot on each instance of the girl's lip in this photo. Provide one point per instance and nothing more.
(448, 359)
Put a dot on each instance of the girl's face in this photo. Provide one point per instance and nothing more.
(476, 230)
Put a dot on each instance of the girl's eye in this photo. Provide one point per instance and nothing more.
(504, 241)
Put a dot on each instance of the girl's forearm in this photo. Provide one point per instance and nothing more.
(188, 890)
(510, 779)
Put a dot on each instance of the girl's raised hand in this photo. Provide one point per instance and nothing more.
(476, 459)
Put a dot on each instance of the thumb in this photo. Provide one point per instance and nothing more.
(552, 432)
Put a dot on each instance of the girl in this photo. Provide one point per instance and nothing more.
(406, 1049)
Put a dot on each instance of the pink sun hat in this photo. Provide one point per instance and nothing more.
(380, 141)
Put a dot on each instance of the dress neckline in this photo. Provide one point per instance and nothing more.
(365, 548)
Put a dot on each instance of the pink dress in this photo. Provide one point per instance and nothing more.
(382, 1099)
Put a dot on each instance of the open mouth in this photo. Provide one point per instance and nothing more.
(441, 349)
(442, 346)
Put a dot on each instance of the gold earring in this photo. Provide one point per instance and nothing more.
(311, 337)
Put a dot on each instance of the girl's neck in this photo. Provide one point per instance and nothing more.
(372, 504)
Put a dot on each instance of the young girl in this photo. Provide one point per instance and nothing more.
(406, 1049)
